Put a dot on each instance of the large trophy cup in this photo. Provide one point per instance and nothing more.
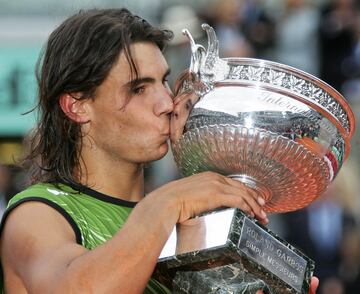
(280, 131)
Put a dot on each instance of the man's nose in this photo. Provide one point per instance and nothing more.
(165, 104)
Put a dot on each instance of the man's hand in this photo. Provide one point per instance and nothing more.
(183, 104)
(199, 193)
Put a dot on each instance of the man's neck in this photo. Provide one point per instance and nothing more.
(113, 177)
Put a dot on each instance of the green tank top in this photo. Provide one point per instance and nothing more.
(94, 217)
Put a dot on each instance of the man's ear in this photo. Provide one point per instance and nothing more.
(75, 108)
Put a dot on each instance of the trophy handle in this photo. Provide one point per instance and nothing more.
(212, 54)
(198, 53)
(206, 67)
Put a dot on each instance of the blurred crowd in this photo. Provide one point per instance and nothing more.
(322, 38)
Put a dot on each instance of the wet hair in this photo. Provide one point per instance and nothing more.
(77, 58)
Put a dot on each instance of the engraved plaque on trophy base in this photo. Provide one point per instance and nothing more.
(249, 258)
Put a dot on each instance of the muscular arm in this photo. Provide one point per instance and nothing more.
(39, 247)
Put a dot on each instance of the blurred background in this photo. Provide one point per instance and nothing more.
(321, 37)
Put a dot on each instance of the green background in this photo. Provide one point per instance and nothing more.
(18, 89)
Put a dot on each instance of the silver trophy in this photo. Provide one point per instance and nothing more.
(280, 131)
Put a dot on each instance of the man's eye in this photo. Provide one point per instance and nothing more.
(165, 81)
(138, 90)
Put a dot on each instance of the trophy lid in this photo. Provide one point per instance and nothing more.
(207, 69)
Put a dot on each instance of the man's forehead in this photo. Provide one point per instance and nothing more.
(146, 57)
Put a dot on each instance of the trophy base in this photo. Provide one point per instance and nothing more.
(249, 258)
(222, 279)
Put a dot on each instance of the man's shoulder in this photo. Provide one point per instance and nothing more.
(47, 191)
(57, 196)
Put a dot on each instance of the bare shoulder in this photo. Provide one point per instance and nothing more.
(35, 238)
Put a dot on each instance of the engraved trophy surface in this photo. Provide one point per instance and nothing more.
(277, 129)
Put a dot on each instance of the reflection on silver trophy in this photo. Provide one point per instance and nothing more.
(280, 131)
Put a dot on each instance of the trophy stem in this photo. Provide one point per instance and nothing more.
(252, 183)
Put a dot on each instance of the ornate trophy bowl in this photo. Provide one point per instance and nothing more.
(280, 131)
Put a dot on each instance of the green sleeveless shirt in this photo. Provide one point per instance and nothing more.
(94, 217)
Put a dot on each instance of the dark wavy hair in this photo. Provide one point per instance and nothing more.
(78, 57)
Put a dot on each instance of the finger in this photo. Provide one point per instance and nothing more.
(180, 97)
(228, 186)
(246, 201)
(231, 200)
(255, 207)
(236, 183)
(177, 124)
(186, 95)
(180, 115)
(314, 283)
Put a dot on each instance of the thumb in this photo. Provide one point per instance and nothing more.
(314, 283)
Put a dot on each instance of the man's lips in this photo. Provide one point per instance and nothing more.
(165, 132)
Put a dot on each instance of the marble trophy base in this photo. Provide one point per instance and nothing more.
(236, 255)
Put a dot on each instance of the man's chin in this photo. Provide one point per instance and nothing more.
(162, 151)
(164, 148)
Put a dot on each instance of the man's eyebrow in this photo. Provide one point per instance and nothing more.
(138, 81)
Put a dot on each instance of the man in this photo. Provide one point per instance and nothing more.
(106, 109)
